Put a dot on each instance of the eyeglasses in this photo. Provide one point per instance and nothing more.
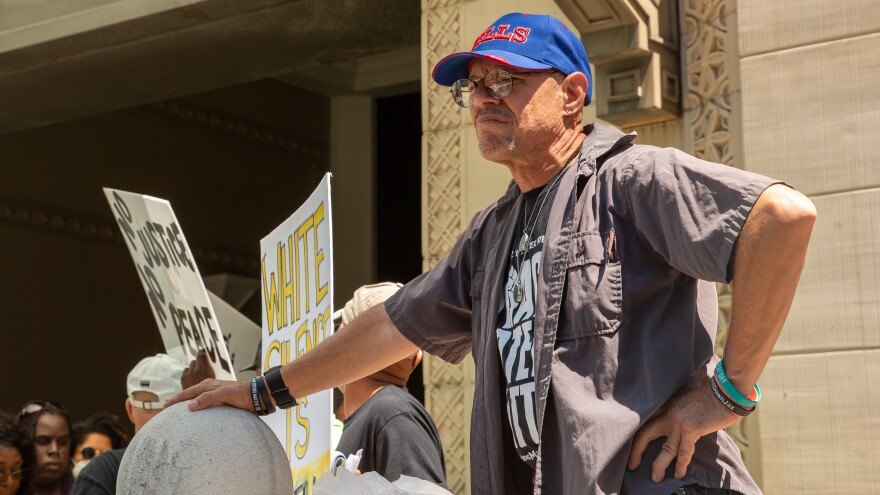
(499, 84)
(15, 475)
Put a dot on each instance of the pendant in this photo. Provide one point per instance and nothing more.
(517, 291)
(523, 244)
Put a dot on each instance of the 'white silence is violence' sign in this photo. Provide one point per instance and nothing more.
(297, 289)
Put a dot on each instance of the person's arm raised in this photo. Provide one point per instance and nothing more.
(768, 258)
(366, 345)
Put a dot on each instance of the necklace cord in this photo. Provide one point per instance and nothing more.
(532, 219)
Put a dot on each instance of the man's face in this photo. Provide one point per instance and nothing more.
(52, 445)
(526, 121)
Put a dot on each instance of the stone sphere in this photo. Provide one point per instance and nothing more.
(216, 450)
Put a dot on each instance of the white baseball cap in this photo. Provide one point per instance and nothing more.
(365, 298)
(159, 375)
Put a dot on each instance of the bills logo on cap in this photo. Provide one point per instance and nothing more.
(519, 34)
(521, 42)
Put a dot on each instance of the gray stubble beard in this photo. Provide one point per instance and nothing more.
(495, 143)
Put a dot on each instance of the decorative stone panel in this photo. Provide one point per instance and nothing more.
(448, 388)
(633, 45)
(712, 119)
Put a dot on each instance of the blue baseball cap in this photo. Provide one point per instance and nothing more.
(522, 42)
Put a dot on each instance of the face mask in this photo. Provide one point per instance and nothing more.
(79, 465)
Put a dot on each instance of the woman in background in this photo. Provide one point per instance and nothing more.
(99, 433)
(16, 458)
(50, 429)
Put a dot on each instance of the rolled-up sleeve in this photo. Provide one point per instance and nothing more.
(690, 211)
(434, 310)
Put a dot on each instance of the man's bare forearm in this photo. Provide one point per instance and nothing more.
(768, 259)
(369, 343)
(366, 345)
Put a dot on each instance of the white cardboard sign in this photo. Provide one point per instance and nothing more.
(297, 296)
(171, 279)
(242, 336)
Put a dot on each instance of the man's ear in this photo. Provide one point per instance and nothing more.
(128, 411)
(574, 88)
(417, 358)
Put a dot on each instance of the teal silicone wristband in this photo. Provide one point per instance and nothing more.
(731, 391)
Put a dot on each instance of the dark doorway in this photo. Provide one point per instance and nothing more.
(398, 192)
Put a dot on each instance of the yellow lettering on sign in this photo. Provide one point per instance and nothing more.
(303, 331)
(321, 290)
(301, 232)
(285, 281)
(302, 448)
(321, 326)
(282, 348)
(270, 293)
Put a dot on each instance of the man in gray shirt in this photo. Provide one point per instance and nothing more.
(393, 430)
(586, 293)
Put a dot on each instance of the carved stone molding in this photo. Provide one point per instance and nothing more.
(58, 223)
(634, 47)
(711, 119)
(448, 388)
(234, 126)
(708, 94)
(709, 100)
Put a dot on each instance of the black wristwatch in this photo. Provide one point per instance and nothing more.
(277, 388)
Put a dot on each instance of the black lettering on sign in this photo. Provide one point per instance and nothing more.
(195, 327)
(124, 218)
(149, 254)
(209, 344)
(154, 293)
(194, 331)
(166, 247)
(183, 331)
(174, 236)
(157, 246)
(162, 245)
(215, 338)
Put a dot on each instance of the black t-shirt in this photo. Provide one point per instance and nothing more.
(515, 332)
(398, 437)
(99, 476)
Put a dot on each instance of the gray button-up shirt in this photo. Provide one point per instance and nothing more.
(625, 319)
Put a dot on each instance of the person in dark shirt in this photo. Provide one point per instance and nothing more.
(396, 433)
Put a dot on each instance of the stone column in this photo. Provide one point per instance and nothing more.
(448, 388)
(354, 217)
(712, 120)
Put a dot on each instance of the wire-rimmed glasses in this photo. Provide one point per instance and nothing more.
(498, 83)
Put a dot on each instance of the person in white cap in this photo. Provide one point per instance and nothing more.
(396, 433)
(149, 385)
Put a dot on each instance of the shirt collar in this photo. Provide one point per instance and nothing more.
(601, 140)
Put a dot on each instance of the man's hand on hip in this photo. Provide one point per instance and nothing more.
(683, 421)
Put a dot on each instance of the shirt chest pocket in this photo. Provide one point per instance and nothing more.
(593, 301)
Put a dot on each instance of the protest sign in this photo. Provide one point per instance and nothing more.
(168, 272)
(297, 295)
(242, 336)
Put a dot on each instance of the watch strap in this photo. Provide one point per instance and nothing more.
(278, 389)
